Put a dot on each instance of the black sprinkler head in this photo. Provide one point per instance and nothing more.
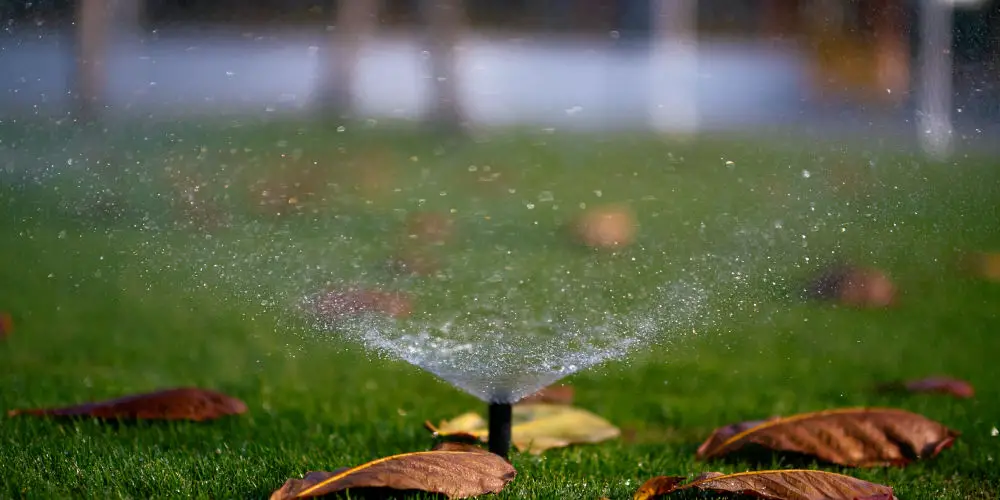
(499, 428)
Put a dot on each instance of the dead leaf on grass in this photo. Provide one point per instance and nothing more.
(429, 228)
(793, 484)
(186, 403)
(6, 324)
(458, 471)
(723, 434)
(985, 265)
(854, 286)
(857, 437)
(937, 385)
(415, 261)
(336, 304)
(536, 427)
(553, 394)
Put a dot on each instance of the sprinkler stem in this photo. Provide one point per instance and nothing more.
(499, 428)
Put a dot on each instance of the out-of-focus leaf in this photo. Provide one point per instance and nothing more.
(6, 324)
(536, 427)
(985, 265)
(336, 304)
(857, 437)
(429, 228)
(772, 485)
(938, 385)
(186, 403)
(555, 394)
(854, 286)
(455, 470)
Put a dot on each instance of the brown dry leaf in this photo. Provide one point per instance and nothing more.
(854, 286)
(722, 434)
(857, 437)
(793, 484)
(554, 394)
(536, 427)
(937, 385)
(429, 228)
(607, 227)
(416, 261)
(6, 324)
(336, 304)
(985, 265)
(458, 471)
(186, 403)
(289, 189)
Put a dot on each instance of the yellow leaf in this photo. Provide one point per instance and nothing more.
(466, 423)
(537, 427)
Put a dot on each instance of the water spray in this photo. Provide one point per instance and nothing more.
(499, 428)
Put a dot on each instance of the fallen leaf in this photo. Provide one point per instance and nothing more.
(429, 228)
(858, 437)
(416, 261)
(607, 227)
(723, 434)
(984, 265)
(854, 286)
(186, 403)
(555, 394)
(938, 385)
(336, 304)
(458, 471)
(536, 427)
(792, 484)
(6, 324)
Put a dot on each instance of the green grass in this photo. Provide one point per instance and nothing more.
(110, 304)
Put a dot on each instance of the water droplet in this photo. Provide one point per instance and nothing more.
(806, 174)
(994, 432)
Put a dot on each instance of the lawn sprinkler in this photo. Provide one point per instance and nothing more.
(499, 428)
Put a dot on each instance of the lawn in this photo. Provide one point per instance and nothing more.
(121, 278)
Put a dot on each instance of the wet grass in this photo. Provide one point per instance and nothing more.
(110, 298)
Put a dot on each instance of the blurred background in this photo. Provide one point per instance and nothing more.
(925, 69)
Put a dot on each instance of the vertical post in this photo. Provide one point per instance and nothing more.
(499, 428)
(444, 19)
(673, 67)
(934, 92)
(892, 49)
(356, 20)
(93, 23)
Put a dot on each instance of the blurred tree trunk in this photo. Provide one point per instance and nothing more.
(892, 49)
(779, 18)
(356, 20)
(673, 105)
(98, 24)
(93, 26)
(444, 19)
